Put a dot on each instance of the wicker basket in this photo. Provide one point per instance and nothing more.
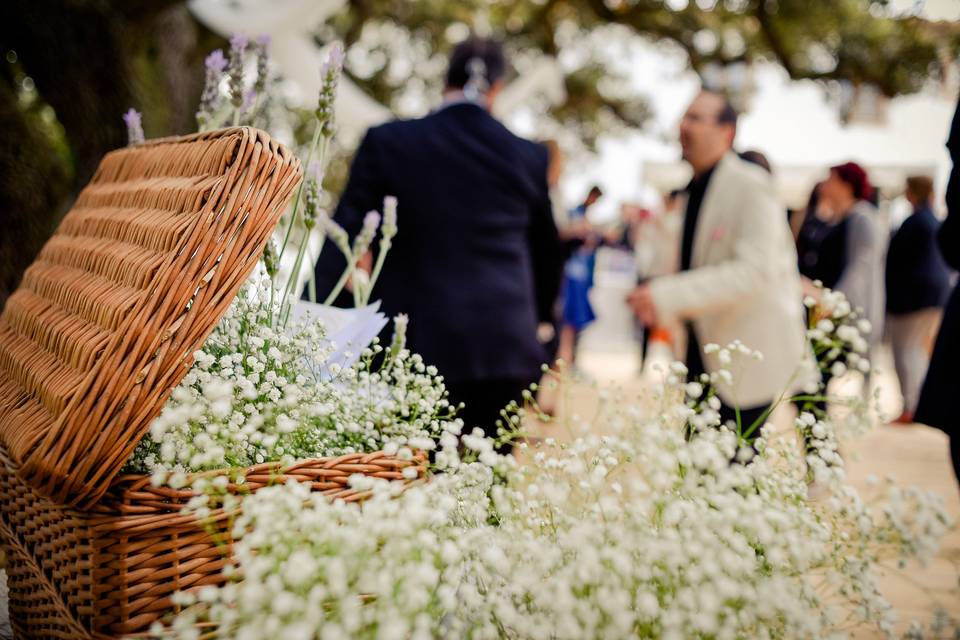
(101, 330)
(111, 570)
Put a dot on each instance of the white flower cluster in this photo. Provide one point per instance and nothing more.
(642, 533)
(837, 334)
(252, 396)
(824, 464)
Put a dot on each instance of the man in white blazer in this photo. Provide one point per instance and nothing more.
(738, 277)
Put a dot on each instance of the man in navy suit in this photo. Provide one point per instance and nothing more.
(937, 405)
(476, 262)
(918, 282)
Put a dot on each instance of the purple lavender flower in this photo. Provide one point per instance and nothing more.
(215, 63)
(389, 228)
(271, 260)
(399, 341)
(238, 43)
(249, 100)
(371, 221)
(210, 100)
(334, 63)
(315, 172)
(238, 47)
(336, 233)
(329, 78)
(313, 189)
(363, 240)
(262, 48)
(134, 122)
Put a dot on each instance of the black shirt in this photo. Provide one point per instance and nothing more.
(695, 190)
(822, 250)
(695, 193)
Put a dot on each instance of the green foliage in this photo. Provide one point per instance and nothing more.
(861, 41)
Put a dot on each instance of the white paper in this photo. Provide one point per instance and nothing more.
(349, 331)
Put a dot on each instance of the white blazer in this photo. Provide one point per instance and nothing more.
(742, 284)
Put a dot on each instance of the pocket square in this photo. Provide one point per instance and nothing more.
(718, 234)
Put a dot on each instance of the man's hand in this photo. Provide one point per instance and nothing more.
(365, 263)
(810, 289)
(641, 301)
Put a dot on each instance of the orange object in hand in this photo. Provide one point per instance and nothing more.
(660, 334)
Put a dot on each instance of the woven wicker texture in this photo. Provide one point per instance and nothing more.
(102, 328)
(107, 318)
(111, 571)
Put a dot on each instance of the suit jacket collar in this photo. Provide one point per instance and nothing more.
(712, 212)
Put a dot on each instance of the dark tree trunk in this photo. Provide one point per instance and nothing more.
(33, 184)
(90, 61)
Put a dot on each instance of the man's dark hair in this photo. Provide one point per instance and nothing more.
(728, 114)
(488, 50)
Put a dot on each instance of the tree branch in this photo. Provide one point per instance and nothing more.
(773, 38)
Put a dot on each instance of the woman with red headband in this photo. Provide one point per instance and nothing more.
(852, 244)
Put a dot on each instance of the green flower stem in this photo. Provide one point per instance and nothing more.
(292, 280)
(312, 286)
(301, 250)
(385, 244)
(763, 417)
(342, 282)
(299, 196)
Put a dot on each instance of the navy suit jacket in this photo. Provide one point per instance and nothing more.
(917, 276)
(942, 385)
(476, 261)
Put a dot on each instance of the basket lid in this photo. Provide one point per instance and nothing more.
(107, 318)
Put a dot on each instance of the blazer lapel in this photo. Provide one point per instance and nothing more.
(712, 212)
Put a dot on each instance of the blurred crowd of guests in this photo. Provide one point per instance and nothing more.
(496, 278)
(702, 274)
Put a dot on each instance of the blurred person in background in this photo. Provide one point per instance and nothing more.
(737, 274)
(941, 388)
(657, 253)
(808, 230)
(476, 259)
(554, 173)
(843, 246)
(582, 242)
(918, 282)
(548, 330)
